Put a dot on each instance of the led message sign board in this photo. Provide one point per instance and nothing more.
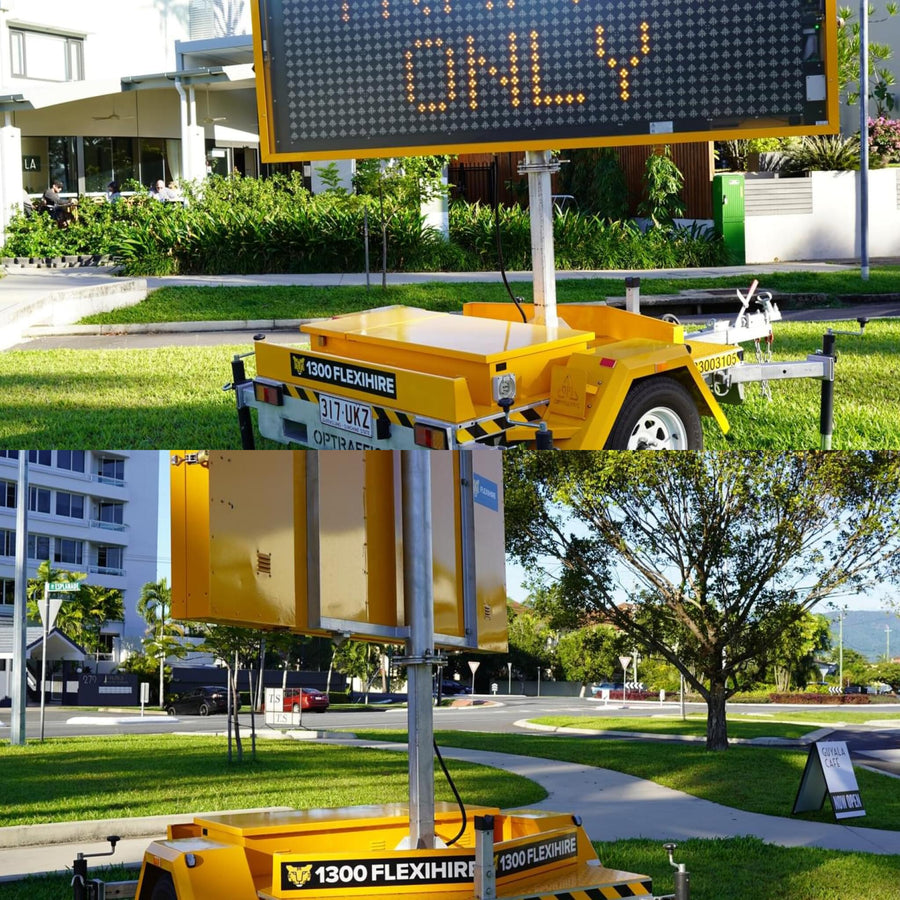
(353, 78)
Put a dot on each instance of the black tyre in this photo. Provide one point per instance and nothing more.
(164, 889)
(170, 710)
(204, 709)
(659, 413)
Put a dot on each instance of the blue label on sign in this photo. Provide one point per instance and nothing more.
(486, 492)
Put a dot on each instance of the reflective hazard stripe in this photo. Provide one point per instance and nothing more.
(404, 420)
(491, 427)
(609, 892)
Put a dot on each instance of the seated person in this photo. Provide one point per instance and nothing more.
(159, 191)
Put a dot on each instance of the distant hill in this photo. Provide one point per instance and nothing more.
(864, 632)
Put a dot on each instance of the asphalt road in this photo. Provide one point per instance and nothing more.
(503, 717)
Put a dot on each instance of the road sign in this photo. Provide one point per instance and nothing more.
(62, 587)
(49, 610)
(406, 77)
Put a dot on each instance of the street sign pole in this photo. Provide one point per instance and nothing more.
(46, 618)
(419, 601)
(19, 682)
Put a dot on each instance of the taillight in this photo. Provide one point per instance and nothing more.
(271, 392)
(431, 436)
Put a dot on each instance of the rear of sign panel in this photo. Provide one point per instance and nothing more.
(363, 75)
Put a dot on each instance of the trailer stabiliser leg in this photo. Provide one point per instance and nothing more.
(82, 889)
(239, 379)
(826, 414)
(682, 876)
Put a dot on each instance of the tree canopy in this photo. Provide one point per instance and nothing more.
(705, 558)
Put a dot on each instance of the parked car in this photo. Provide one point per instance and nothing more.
(200, 701)
(305, 700)
(453, 688)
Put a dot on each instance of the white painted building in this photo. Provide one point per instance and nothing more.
(95, 512)
(103, 90)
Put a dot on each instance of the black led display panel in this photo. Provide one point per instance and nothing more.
(401, 77)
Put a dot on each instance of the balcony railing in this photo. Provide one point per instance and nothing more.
(107, 570)
(108, 526)
(218, 18)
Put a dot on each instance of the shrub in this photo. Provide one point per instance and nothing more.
(819, 698)
(822, 153)
(246, 225)
(663, 183)
(884, 141)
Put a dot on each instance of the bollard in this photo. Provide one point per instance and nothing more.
(633, 294)
(485, 876)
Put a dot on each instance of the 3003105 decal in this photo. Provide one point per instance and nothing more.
(714, 363)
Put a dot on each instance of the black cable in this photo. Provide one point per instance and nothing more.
(462, 808)
(495, 200)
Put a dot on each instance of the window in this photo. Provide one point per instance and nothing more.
(9, 454)
(106, 644)
(71, 460)
(8, 494)
(108, 158)
(39, 457)
(109, 557)
(7, 543)
(69, 551)
(7, 591)
(38, 547)
(111, 469)
(111, 513)
(39, 499)
(69, 505)
(46, 57)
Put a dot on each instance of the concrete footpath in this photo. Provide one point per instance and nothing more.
(47, 302)
(611, 805)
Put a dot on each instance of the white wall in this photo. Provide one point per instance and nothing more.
(831, 231)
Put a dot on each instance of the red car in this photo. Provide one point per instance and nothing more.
(305, 700)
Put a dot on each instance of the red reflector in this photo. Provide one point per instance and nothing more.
(430, 437)
(272, 394)
(609, 363)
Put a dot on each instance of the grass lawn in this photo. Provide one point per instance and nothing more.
(731, 778)
(64, 780)
(172, 397)
(786, 725)
(187, 304)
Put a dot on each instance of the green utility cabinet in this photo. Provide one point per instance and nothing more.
(728, 214)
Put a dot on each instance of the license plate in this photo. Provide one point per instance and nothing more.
(346, 414)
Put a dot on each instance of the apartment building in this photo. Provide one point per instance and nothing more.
(95, 512)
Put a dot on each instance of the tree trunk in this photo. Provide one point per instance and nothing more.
(716, 726)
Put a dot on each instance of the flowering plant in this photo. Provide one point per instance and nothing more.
(884, 141)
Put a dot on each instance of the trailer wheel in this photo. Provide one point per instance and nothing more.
(659, 413)
(164, 889)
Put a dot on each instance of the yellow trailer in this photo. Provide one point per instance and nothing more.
(601, 378)
(358, 852)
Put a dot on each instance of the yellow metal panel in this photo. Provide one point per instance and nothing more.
(342, 536)
(189, 492)
(490, 551)
(257, 555)
(445, 525)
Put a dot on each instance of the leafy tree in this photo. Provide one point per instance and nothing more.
(857, 668)
(889, 673)
(83, 612)
(531, 643)
(794, 651)
(717, 553)
(359, 659)
(595, 178)
(881, 79)
(663, 183)
(591, 654)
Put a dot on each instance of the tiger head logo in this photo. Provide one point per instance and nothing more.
(298, 364)
(298, 876)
